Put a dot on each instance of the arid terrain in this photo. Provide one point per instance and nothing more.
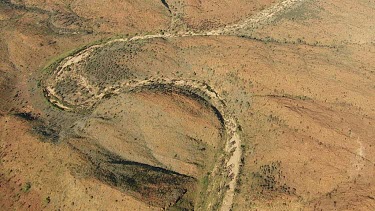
(187, 105)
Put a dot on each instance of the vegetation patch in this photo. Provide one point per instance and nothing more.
(269, 179)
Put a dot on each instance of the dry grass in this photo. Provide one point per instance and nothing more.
(301, 88)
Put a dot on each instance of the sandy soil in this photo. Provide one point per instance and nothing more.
(233, 142)
(295, 81)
